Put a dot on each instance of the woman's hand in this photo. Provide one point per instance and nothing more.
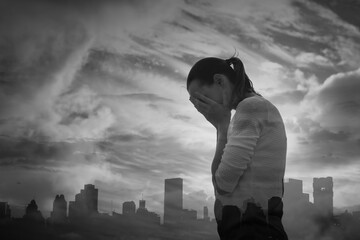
(217, 114)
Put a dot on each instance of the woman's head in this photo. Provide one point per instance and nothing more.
(212, 76)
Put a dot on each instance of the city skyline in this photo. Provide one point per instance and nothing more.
(293, 187)
(95, 92)
(85, 204)
(299, 213)
(84, 221)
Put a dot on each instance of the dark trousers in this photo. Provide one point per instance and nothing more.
(252, 224)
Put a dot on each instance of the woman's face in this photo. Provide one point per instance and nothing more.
(214, 91)
(211, 91)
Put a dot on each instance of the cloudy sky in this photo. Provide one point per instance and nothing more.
(96, 93)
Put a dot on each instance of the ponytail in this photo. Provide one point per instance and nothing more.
(243, 83)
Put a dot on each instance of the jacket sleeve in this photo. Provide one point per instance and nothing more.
(243, 134)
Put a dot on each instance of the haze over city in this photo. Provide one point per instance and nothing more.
(94, 92)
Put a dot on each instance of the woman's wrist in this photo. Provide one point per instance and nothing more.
(222, 129)
(222, 133)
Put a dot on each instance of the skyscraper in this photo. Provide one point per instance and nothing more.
(58, 215)
(293, 193)
(142, 203)
(128, 208)
(85, 203)
(32, 213)
(173, 200)
(91, 198)
(323, 195)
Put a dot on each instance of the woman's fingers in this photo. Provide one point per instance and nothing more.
(204, 98)
(214, 112)
(198, 102)
(200, 106)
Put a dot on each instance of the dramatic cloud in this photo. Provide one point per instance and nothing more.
(337, 102)
(95, 92)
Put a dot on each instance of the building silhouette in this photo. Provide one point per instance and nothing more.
(5, 211)
(189, 215)
(173, 201)
(141, 217)
(297, 209)
(85, 203)
(32, 214)
(206, 214)
(323, 196)
(146, 217)
(129, 208)
(58, 215)
(142, 203)
(293, 193)
(142, 206)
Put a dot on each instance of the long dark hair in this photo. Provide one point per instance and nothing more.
(205, 69)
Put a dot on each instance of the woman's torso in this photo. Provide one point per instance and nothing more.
(263, 178)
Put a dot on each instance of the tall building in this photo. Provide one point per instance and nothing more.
(142, 203)
(5, 211)
(85, 203)
(91, 195)
(32, 213)
(173, 200)
(58, 215)
(293, 193)
(129, 208)
(323, 195)
(206, 214)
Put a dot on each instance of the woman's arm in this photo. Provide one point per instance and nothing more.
(234, 151)
(221, 141)
(219, 116)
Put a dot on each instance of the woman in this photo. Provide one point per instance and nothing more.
(249, 162)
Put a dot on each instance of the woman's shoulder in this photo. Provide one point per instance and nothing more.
(253, 103)
(257, 107)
